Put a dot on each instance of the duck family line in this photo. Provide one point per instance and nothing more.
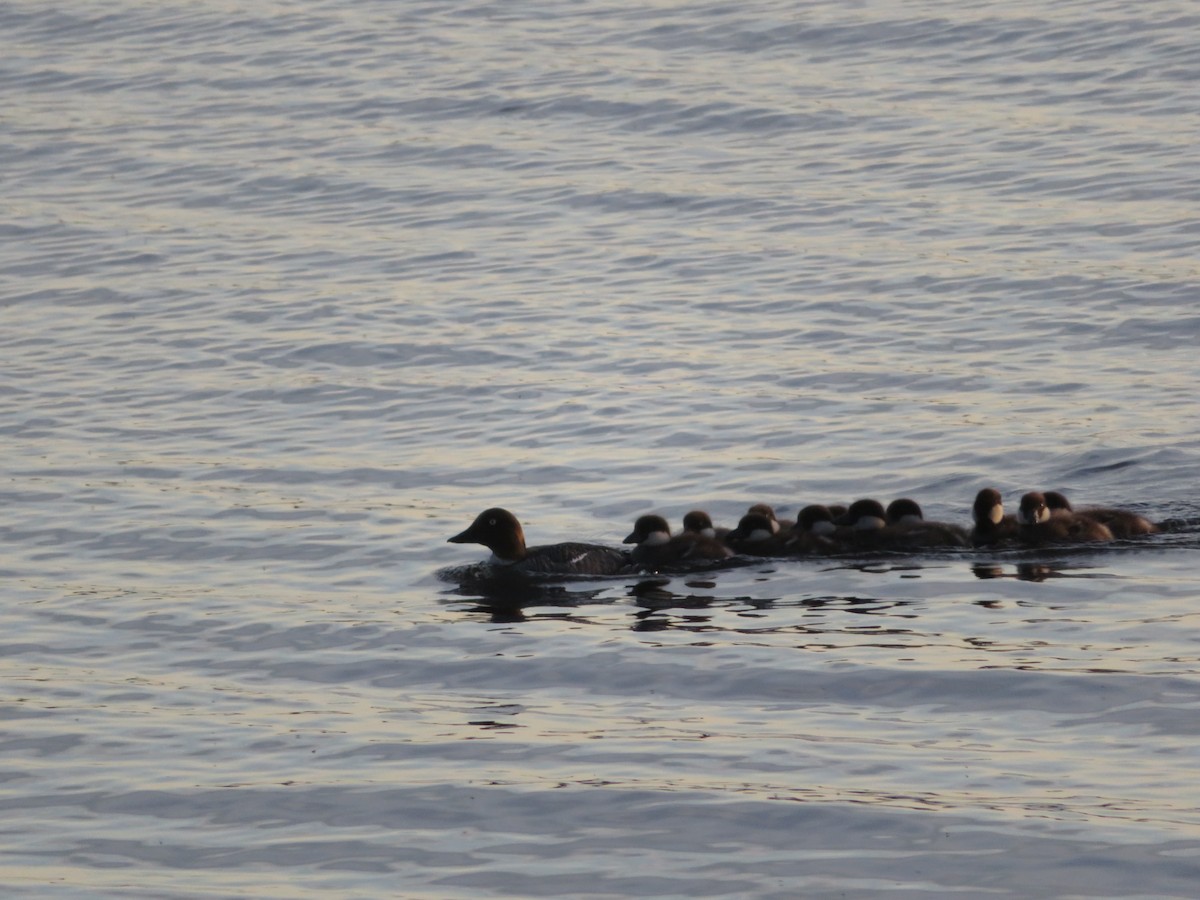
(1042, 520)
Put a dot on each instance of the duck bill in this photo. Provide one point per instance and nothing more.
(1028, 517)
(463, 537)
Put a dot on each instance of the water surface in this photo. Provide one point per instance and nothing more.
(291, 293)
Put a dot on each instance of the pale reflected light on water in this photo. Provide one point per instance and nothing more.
(290, 294)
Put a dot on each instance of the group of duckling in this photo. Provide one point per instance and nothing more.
(1042, 519)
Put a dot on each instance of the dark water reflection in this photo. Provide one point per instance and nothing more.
(917, 609)
(1033, 571)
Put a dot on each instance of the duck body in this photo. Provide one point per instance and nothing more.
(864, 527)
(1037, 526)
(814, 533)
(818, 519)
(991, 526)
(911, 527)
(1123, 523)
(778, 526)
(501, 532)
(757, 535)
(864, 515)
(657, 548)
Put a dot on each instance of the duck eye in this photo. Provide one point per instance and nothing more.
(491, 521)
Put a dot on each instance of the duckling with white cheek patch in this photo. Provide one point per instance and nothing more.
(991, 526)
(813, 533)
(699, 522)
(777, 525)
(757, 535)
(657, 548)
(1037, 527)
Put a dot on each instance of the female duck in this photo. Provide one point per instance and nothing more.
(499, 531)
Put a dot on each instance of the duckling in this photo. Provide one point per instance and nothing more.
(864, 526)
(814, 532)
(757, 535)
(765, 509)
(1123, 523)
(657, 548)
(992, 526)
(817, 518)
(906, 517)
(699, 522)
(864, 515)
(1036, 526)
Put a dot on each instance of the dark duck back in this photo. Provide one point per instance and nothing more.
(1123, 523)
(904, 516)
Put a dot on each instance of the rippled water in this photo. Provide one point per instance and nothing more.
(290, 293)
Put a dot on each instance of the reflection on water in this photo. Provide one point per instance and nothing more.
(506, 593)
(780, 599)
(1033, 571)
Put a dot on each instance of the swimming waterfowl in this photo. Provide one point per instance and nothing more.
(768, 511)
(656, 547)
(757, 535)
(905, 516)
(814, 531)
(1123, 523)
(699, 522)
(864, 515)
(1036, 526)
(904, 511)
(864, 526)
(817, 518)
(991, 526)
(499, 531)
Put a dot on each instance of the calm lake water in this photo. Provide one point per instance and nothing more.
(291, 292)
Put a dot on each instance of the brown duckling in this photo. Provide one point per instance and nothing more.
(905, 515)
(765, 509)
(699, 522)
(757, 535)
(814, 532)
(1123, 523)
(1036, 526)
(656, 547)
(991, 525)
